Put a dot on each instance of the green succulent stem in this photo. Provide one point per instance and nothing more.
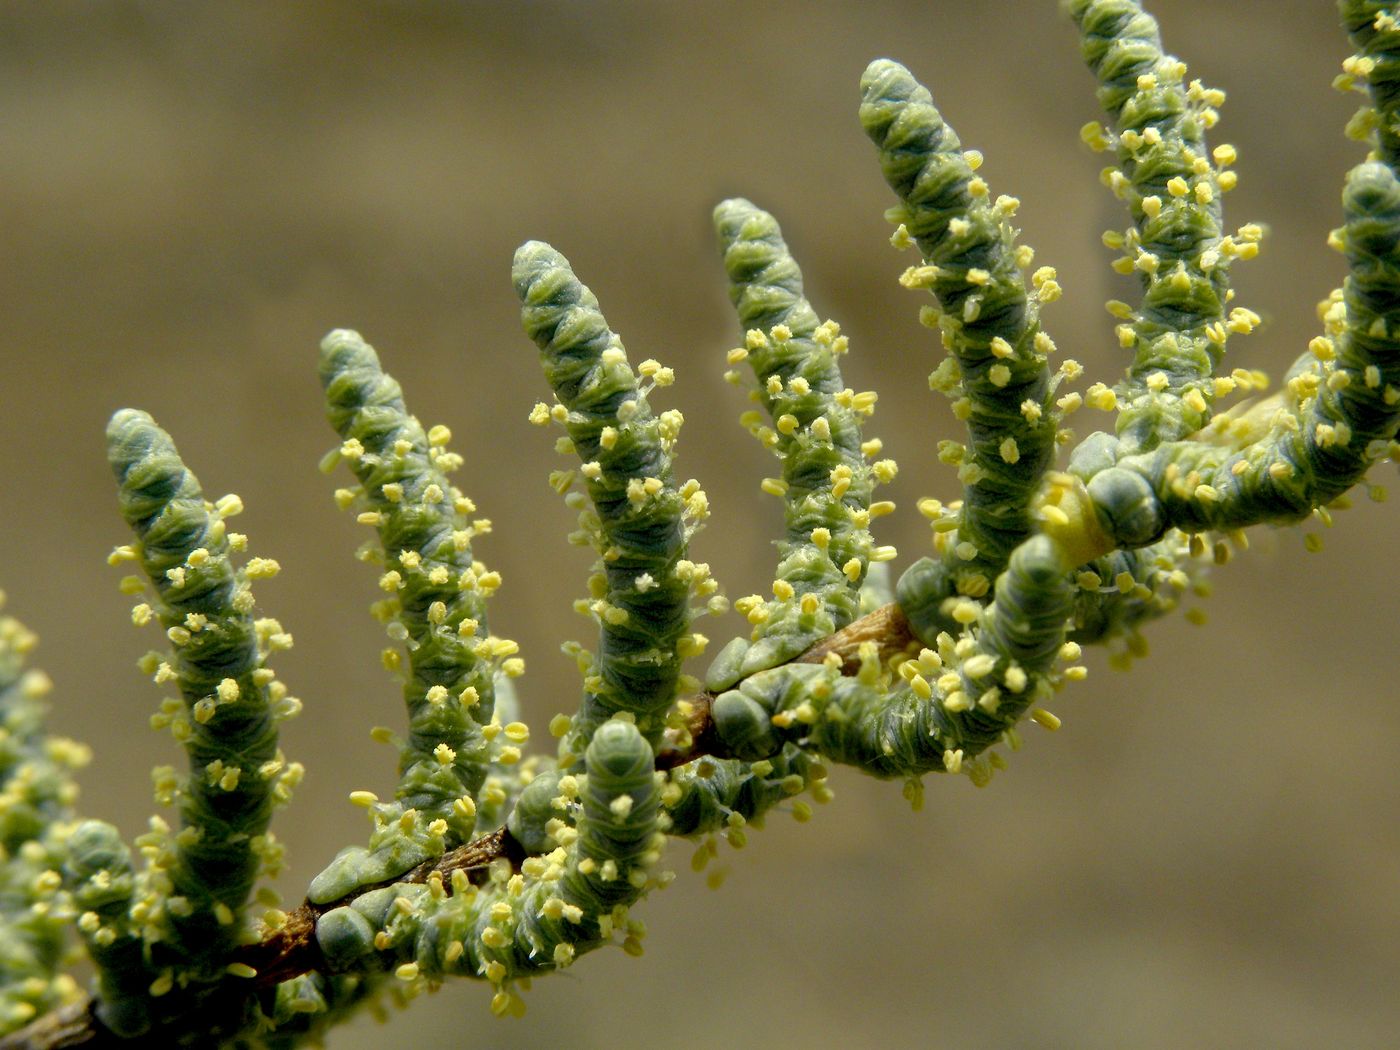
(816, 431)
(948, 706)
(558, 906)
(998, 370)
(1375, 33)
(640, 522)
(1172, 187)
(437, 590)
(1029, 565)
(99, 875)
(227, 715)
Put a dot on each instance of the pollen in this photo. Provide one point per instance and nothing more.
(1102, 397)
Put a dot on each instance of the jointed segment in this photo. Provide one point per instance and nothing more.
(726, 795)
(436, 590)
(997, 372)
(1172, 189)
(641, 521)
(306, 1006)
(227, 713)
(826, 481)
(1119, 592)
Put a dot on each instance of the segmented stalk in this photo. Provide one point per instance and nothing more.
(436, 589)
(997, 372)
(99, 876)
(1172, 188)
(953, 703)
(815, 431)
(727, 794)
(641, 520)
(229, 704)
(1375, 31)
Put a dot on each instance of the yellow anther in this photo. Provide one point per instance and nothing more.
(1102, 397)
(1095, 136)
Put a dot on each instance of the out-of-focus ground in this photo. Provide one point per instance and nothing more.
(1207, 854)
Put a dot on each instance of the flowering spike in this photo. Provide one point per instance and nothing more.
(204, 604)
(826, 481)
(923, 726)
(989, 322)
(643, 610)
(100, 878)
(561, 905)
(494, 865)
(1172, 190)
(437, 591)
(1375, 31)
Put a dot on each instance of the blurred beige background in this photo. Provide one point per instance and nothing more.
(1207, 854)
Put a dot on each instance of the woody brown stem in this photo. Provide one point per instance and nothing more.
(292, 949)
